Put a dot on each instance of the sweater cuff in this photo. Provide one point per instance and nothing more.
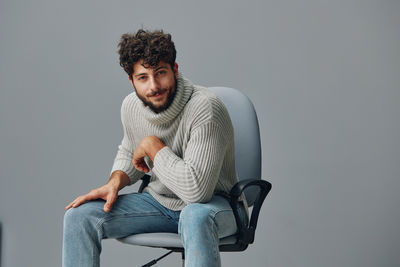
(163, 156)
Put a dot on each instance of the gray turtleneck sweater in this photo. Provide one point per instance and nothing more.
(198, 159)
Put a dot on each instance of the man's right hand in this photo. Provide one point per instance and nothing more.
(108, 192)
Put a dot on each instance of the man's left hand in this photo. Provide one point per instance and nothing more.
(149, 146)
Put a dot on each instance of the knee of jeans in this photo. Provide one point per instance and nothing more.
(195, 216)
(79, 216)
(72, 216)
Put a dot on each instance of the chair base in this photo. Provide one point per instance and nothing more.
(151, 263)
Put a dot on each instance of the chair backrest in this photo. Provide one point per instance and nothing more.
(247, 136)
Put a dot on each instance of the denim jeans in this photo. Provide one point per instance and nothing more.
(200, 226)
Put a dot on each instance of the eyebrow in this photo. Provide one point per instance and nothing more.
(140, 74)
(156, 69)
(161, 67)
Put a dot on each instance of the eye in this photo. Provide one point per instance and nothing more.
(161, 72)
(141, 78)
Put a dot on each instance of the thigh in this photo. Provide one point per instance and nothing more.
(220, 211)
(132, 214)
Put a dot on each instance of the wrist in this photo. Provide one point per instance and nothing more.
(119, 180)
(153, 145)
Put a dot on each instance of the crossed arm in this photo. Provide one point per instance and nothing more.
(149, 146)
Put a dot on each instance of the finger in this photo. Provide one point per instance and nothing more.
(110, 201)
(145, 169)
(82, 199)
(69, 206)
(141, 168)
(136, 163)
(94, 194)
(140, 165)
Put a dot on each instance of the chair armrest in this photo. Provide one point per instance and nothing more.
(246, 233)
(145, 181)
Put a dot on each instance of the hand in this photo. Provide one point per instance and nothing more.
(149, 146)
(138, 159)
(108, 192)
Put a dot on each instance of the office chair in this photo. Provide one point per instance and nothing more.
(248, 166)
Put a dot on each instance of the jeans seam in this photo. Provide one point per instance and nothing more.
(216, 247)
(101, 221)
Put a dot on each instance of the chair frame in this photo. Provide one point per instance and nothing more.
(245, 234)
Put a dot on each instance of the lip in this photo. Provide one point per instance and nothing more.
(157, 96)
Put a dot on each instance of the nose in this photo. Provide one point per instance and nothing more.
(153, 85)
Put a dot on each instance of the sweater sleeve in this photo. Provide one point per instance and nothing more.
(193, 178)
(123, 159)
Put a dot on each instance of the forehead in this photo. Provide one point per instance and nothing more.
(140, 68)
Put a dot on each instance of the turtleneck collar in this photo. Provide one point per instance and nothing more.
(183, 92)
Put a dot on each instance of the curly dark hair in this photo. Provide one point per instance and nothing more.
(151, 46)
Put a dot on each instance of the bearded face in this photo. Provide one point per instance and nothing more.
(157, 86)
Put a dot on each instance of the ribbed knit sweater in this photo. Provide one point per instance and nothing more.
(198, 159)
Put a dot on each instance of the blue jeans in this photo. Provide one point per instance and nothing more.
(200, 226)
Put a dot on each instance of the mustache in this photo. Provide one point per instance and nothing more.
(153, 93)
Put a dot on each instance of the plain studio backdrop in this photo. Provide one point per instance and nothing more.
(324, 77)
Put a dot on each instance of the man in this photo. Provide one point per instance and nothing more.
(180, 132)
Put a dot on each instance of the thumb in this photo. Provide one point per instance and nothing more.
(109, 202)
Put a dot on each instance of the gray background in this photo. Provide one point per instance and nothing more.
(324, 78)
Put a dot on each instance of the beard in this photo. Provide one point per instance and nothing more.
(170, 97)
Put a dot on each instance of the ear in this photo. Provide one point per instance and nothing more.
(176, 70)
